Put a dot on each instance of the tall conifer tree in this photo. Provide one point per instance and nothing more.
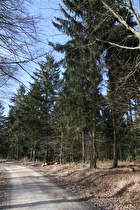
(82, 52)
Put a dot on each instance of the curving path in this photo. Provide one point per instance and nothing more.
(29, 189)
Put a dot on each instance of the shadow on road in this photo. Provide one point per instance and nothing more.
(38, 204)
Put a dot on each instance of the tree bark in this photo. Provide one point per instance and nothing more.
(93, 101)
(34, 155)
(45, 156)
(93, 155)
(112, 91)
(17, 152)
(31, 154)
(83, 147)
(115, 161)
(61, 148)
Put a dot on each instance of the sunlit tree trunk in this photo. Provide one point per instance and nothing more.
(34, 155)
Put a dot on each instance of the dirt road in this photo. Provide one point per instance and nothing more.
(30, 189)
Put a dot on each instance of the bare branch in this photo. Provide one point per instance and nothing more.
(135, 15)
(17, 36)
(120, 46)
(134, 12)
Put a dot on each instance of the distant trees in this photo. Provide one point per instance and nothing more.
(16, 126)
(29, 130)
(3, 149)
(67, 116)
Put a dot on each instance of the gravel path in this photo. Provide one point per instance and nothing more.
(30, 189)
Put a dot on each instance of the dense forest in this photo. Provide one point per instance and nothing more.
(90, 111)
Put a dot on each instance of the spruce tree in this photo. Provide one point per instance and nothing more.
(15, 127)
(42, 99)
(119, 62)
(82, 53)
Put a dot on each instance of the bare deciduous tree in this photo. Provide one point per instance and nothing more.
(17, 35)
(128, 4)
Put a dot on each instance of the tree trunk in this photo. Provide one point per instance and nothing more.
(112, 90)
(93, 155)
(83, 147)
(72, 152)
(61, 148)
(45, 156)
(130, 109)
(93, 159)
(115, 161)
(17, 152)
(33, 155)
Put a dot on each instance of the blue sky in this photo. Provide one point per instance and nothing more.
(46, 10)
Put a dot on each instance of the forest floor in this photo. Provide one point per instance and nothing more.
(105, 188)
(2, 185)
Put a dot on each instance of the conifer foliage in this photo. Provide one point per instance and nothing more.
(67, 117)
